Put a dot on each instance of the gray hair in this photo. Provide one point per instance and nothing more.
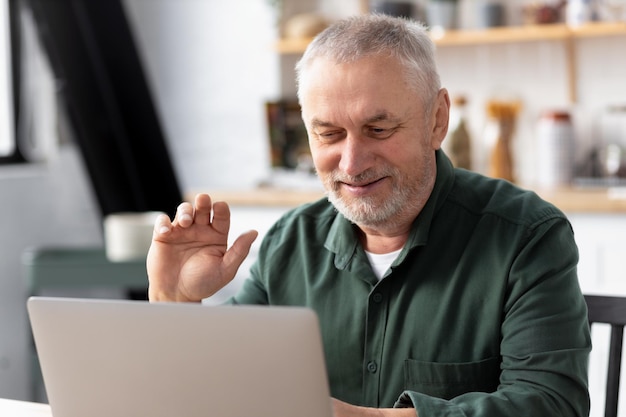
(358, 37)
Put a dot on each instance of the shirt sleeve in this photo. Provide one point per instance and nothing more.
(545, 340)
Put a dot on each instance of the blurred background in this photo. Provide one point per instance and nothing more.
(204, 101)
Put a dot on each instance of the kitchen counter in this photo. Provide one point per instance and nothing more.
(587, 199)
(570, 200)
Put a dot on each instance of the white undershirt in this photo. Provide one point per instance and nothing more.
(381, 262)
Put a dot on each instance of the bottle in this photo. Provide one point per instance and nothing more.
(459, 143)
(501, 120)
(555, 149)
(579, 12)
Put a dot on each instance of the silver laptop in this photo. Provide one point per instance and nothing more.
(103, 358)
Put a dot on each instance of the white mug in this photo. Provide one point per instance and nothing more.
(127, 236)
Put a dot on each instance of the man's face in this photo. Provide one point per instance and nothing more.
(371, 143)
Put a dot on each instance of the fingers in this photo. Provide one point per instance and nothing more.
(162, 225)
(203, 209)
(184, 215)
(238, 252)
(221, 217)
(203, 213)
(187, 214)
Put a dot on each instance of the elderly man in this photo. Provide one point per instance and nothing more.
(439, 291)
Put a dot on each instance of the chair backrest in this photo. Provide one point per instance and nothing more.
(612, 311)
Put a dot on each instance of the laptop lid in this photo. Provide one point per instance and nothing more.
(103, 358)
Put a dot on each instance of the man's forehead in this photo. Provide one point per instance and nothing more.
(322, 70)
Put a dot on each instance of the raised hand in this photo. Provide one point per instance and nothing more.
(189, 258)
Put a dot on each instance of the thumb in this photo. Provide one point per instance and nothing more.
(237, 253)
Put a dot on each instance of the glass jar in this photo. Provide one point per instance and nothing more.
(579, 12)
(459, 143)
(555, 149)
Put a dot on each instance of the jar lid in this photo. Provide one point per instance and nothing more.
(556, 115)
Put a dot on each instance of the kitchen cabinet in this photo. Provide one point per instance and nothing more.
(602, 245)
(509, 34)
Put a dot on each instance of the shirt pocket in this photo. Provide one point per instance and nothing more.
(449, 380)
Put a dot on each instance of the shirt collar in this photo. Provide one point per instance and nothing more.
(441, 189)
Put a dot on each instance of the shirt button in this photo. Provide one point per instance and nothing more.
(378, 297)
(372, 367)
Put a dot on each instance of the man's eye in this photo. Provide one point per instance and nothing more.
(330, 135)
(379, 132)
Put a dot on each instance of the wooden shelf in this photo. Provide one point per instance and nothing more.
(501, 35)
(529, 33)
(593, 30)
(509, 34)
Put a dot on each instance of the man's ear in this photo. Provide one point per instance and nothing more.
(440, 118)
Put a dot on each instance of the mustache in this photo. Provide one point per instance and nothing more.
(365, 177)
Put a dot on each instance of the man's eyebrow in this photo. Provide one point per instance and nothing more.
(320, 123)
(378, 117)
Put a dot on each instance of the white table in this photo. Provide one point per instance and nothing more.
(14, 408)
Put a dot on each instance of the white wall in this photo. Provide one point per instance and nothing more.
(212, 68)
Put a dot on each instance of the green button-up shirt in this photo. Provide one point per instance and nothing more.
(481, 314)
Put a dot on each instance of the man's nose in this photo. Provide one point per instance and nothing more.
(354, 155)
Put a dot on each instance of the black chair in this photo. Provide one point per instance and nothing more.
(610, 310)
